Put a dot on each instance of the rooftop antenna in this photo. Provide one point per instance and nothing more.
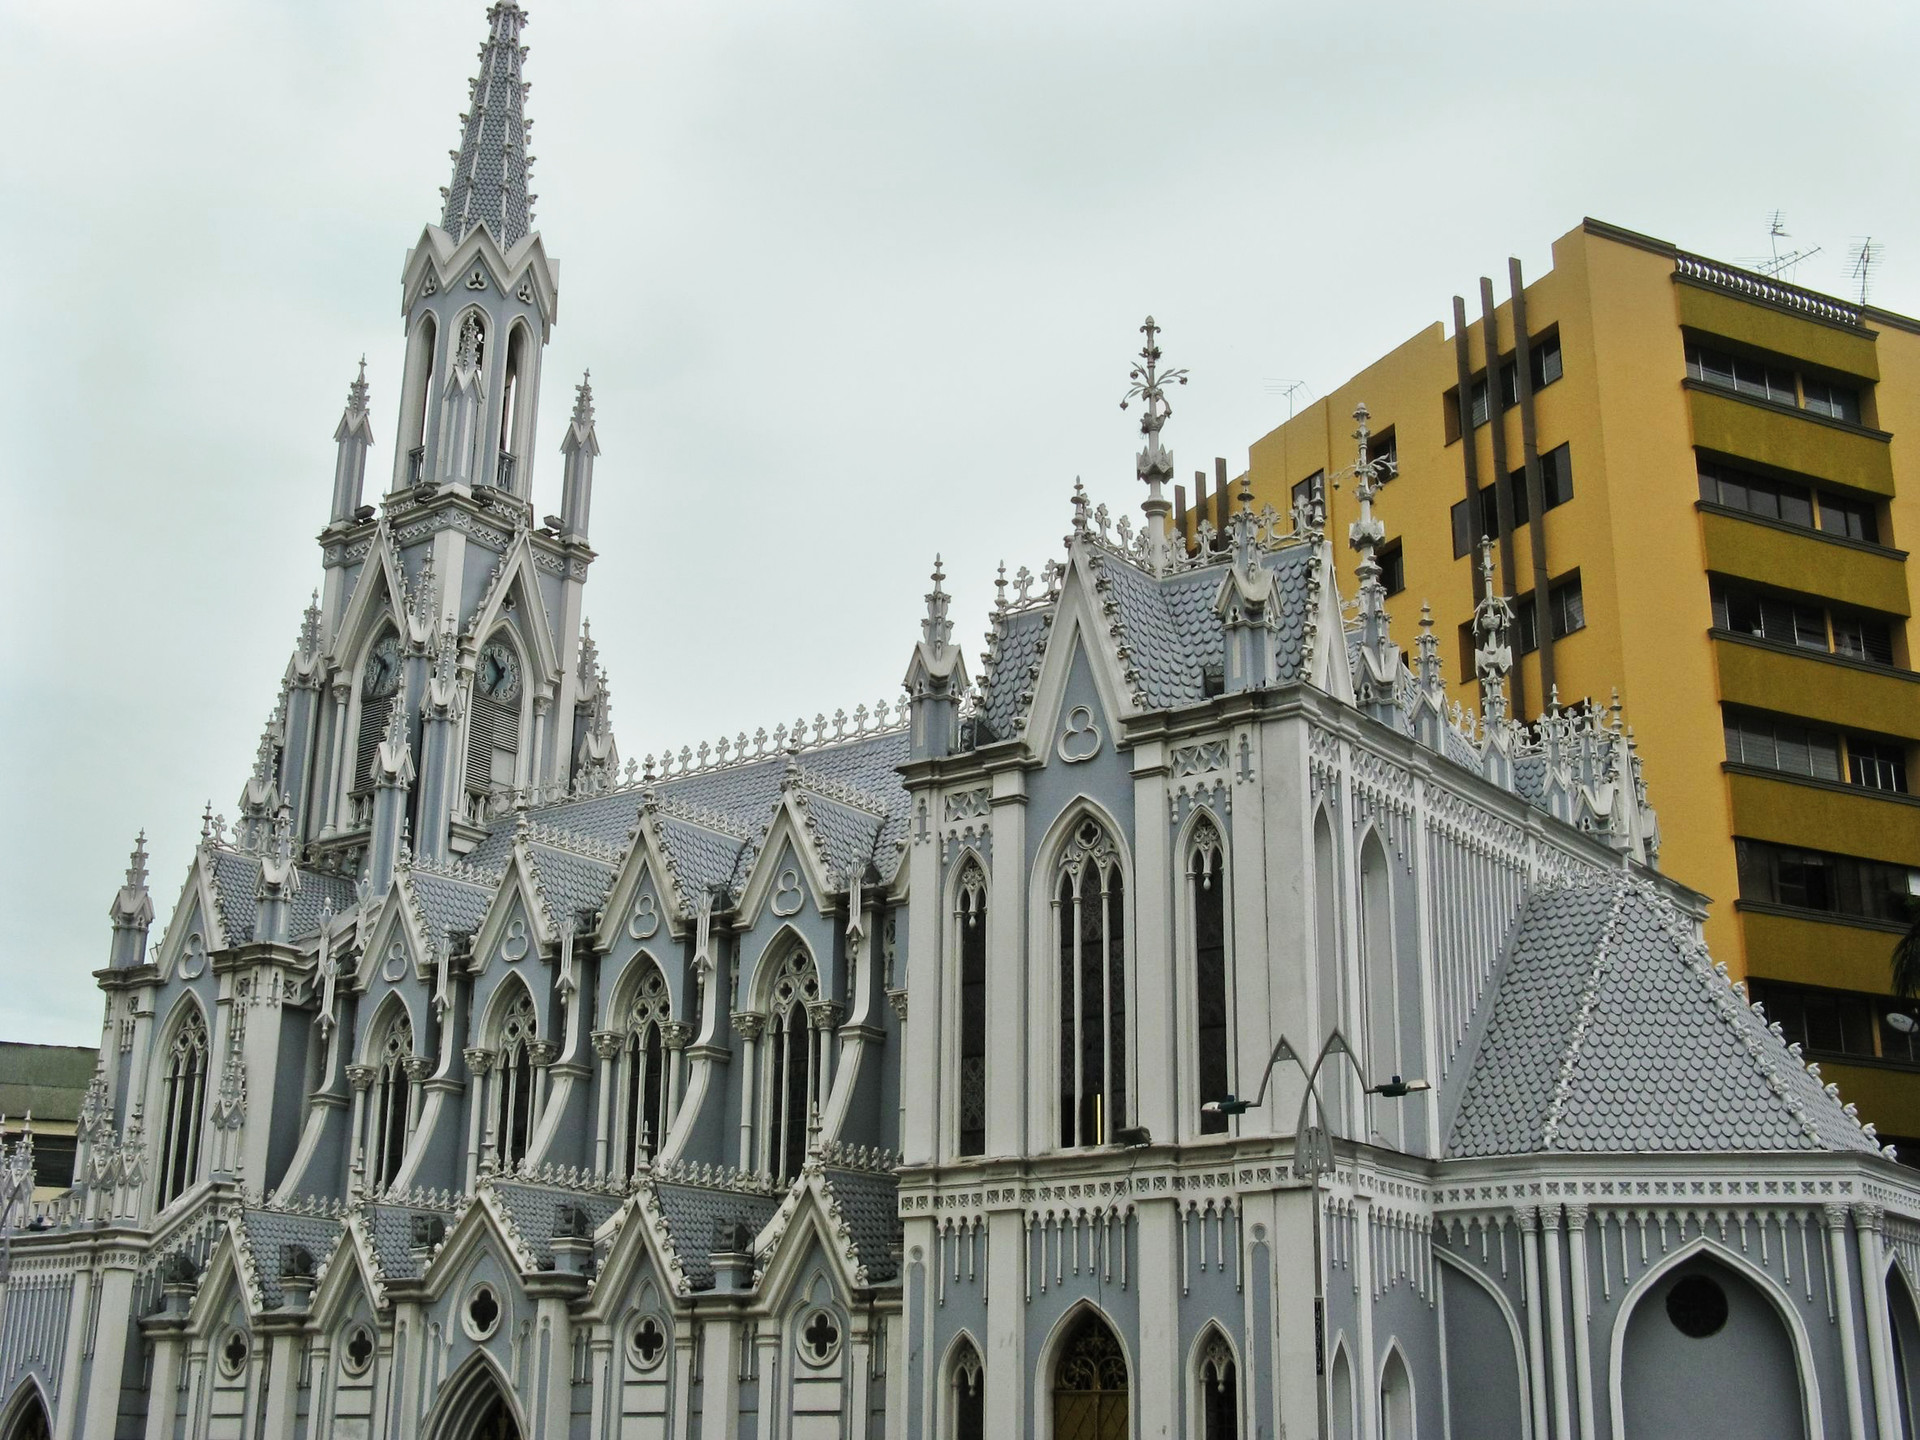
(1288, 388)
(1781, 265)
(1866, 255)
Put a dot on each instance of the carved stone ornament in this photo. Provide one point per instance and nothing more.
(787, 895)
(644, 922)
(515, 944)
(1079, 736)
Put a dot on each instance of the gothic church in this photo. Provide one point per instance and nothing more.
(1194, 1024)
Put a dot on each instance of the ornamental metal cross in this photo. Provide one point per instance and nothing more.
(1149, 385)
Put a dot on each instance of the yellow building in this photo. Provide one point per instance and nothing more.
(1725, 467)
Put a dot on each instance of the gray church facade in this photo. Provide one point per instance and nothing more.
(1193, 1024)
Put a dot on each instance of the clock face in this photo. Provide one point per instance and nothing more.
(382, 675)
(498, 676)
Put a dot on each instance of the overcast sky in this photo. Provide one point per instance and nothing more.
(857, 282)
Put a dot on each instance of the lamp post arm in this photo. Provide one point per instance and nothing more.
(1280, 1049)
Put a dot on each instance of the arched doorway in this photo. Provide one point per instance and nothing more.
(27, 1417)
(1090, 1384)
(1705, 1353)
(475, 1406)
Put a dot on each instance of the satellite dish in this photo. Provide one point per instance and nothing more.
(1905, 1024)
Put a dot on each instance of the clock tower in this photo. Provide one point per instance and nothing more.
(448, 593)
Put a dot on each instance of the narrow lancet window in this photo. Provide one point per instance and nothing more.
(185, 1100)
(392, 1102)
(513, 1087)
(1089, 921)
(643, 1089)
(971, 919)
(1207, 888)
(793, 1064)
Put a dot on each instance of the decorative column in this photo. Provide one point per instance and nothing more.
(675, 1035)
(1556, 1318)
(419, 1068)
(540, 1054)
(824, 1016)
(342, 751)
(606, 1044)
(1528, 1221)
(480, 1065)
(747, 1026)
(361, 1078)
(1867, 1222)
(1582, 1353)
(1843, 1296)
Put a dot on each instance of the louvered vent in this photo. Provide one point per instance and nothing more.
(373, 729)
(493, 739)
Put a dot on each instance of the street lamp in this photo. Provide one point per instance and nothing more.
(1312, 1158)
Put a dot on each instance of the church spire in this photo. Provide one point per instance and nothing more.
(491, 168)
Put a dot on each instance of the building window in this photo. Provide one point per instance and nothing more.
(1556, 489)
(393, 1096)
(1816, 880)
(513, 1089)
(185, 1100)
(1219, 1391)
(1875, 765)
(793, 1063)
(1788, 501)
(1207, 891)
(969, 1393)
(1306, 491)
(1566, 608)
(1772, 380)
(1385, 445)
(1393, 568)
(643, 1069)
(1853, 519)
(1090, 925)
(1783, 745)
(970, 920)
(493, 728)
(1838, 1023)
(1804, 623)
(1546, 366)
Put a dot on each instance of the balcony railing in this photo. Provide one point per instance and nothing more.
(504, 475)
(1765, 288)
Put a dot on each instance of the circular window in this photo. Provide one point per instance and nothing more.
(233, 1353)
(819, 1338)
(482, 1314)
(647, 1342)
(357, 1354)
(1697, 1306)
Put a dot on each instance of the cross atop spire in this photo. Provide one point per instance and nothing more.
(491, 169)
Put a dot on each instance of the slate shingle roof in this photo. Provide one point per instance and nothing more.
(450, 905)
(692, 1212)
(1022, 636)
(869, 1204)
(1610, 1032)
(534, 1208)
(236, 883)
(268, 1232)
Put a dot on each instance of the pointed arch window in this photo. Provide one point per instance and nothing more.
(513, 1087)
(793, 1063)
(1219, 1391)
(493, 726)
(969, 1393)
(379, 683)
(1090, 926)
(1207, 896)
(186, 1094)
(643, 1071)
(512, 402)
(393, 1101)
(970, 920)
(421, 354)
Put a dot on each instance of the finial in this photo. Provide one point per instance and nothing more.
(1154, 465)
(206, 822)
(137, 869)
(936, 627)
(583, 399)
(1000, 588)
(1079, 506)
(357, 391)
(1492, 657)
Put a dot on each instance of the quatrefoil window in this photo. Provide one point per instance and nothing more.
(233, 1354)
(647, 1342)
(819, 1338)
(358, 1354)
(483, 1312)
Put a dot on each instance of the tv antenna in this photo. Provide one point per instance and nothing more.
(1778, 265)
(1866, 255)
(1289, 388)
